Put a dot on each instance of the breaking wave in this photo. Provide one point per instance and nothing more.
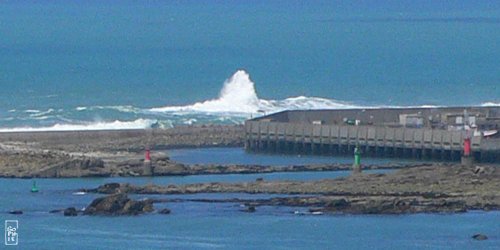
(238, 96)
(237, 101)
(115, 125)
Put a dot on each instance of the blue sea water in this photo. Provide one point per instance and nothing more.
(222, 225)
(227, 156)
(85, 64)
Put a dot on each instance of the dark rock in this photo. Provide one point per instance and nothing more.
(56, 211)
(315, 209)
(109, 188)
(16, 212)
(138, 207)
(479, 237)
(71, 211)
(436, 188)
(339, 204)
(89, 163)
(259, 179)
(250, 209)
(376, 207)
(74, 167)
(107, 205)
(164, 211)
(118, 204)
(478, 170)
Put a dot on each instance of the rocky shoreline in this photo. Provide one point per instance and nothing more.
(121, 153)
(105, 153)
(435, 188)
(50, 164)
(412, 188)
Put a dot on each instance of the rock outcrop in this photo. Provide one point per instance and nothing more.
(164, 211)
(118, 204)
(49, 164)
(76, 167)
(104, 153)
(71, 211)
(435, 188)
(479, 237)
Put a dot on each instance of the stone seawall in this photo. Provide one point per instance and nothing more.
(129, 140)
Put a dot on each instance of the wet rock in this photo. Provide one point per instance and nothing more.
(259, 179)
(479, 237)
(250, 209)
(132, 173)
(75, 167)
(16, 212)
(435, 188)
(108, 188)
(164, 211)
(315, 209)
(338, 204)
(71, 211)
(478, 170)
(118, 204)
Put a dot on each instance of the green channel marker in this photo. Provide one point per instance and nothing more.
(357, 157)
(34, 188)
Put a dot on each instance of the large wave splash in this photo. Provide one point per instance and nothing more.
(237, 101)
(115, 125)
(238, 96)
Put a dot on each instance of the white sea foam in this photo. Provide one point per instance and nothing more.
(43, 117)
(238, 96)
(32, 111)
(190, 121)
(41, 113)
(491, 104)
(122, 108)
(115, 125)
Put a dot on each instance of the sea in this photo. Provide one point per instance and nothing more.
(67, 65)
(198, 225)
(87, 65)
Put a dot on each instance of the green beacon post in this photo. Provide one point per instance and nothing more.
(356, 168)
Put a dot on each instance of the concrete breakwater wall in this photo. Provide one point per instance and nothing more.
(129, 140)
(426, 143)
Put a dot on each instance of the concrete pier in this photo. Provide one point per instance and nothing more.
(433, 136)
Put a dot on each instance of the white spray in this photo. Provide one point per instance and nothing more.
(238, 96)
